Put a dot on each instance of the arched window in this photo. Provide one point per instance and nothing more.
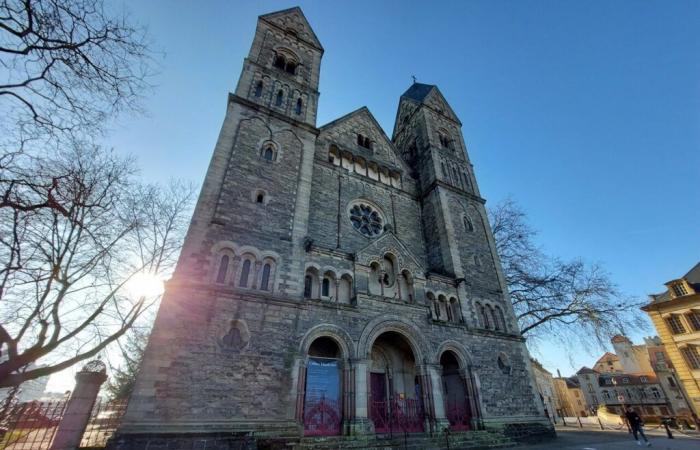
(468, 225)
(363, 141)
(297, 109)
(501, 318)
(485, 318)
(280, 62)
(258, 88)
(265, 281)
(326, 287)
(279, 98)
(444, 172)
(479, 317)
(496, 322)
(245, 271)
(308, 284)
(260, 198)
(291, 67)
(268, 152)
(223, 268)
(450, 313)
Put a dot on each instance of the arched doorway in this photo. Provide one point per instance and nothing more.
(322, 394)
(457, 404)
(396, 403)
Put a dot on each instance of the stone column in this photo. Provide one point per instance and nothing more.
(361, 423)
(434, 374)
(256, 271)
(337, 290)
(75, 419)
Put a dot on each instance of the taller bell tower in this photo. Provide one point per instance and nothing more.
(458, 239)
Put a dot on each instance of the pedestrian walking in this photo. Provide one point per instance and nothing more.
(637, 426)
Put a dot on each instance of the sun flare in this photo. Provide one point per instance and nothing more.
(145, 285)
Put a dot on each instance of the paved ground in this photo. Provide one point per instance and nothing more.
(574, 439)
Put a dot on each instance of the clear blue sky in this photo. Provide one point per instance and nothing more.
(587, 113)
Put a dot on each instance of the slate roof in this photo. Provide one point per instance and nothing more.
(418, 91)
(584, 370)
(692, 277)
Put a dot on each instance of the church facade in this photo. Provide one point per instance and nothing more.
(334, 281)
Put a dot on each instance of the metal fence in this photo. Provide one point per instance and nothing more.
(33, 425)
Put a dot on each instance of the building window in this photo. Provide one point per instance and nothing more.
(245, 271)
(363, 141)
(264, 283)
(675, 324)
(326, 287)
(258, 88)
(663, 410)
(606, 394)
(223, 268)
(501, 318)
(485, 318)
(503, 363)
(268, 152)
(671, 382)
(690, 353)
(366, 220)
(694, 320)
(308, 283)
(468, 225)
(297, 109)
(679, 289)
(445, 142)
(279, 98)
(655, 392)
(286, 64)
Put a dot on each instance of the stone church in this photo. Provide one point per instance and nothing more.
(334, 281)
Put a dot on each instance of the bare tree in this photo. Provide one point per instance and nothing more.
(565, 300)
(67, 67)
(65, 267)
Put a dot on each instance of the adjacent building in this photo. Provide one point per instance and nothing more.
(546, 389)
(635, 375)
(569, 397)
(334, 280)
(675, 313)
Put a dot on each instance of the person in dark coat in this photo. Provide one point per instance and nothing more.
(637, 426)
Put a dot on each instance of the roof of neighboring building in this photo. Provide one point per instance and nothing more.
(618, 338)
(572, 383)
(692, 277)
(584, 370)
(608, 357)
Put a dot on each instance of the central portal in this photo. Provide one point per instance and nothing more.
(396, 400)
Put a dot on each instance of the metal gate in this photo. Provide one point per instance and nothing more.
(397, 414)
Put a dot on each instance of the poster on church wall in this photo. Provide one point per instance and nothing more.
(322, 380)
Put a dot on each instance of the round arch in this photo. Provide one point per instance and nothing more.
(463, 356)
(334, 332)
(407, 330)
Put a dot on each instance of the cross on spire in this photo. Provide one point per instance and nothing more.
(414, 78)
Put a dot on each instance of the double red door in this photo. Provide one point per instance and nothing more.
(392, 413)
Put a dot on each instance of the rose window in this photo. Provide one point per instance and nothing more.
(366, 219)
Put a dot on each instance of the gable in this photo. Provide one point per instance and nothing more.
(389, 243)
(293, 20)
(343, 133)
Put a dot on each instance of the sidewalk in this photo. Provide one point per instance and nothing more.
(569, 438)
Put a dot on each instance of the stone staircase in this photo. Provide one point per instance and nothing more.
(471, 440)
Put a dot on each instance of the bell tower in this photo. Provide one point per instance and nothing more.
(282, 69)
(458, 238)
